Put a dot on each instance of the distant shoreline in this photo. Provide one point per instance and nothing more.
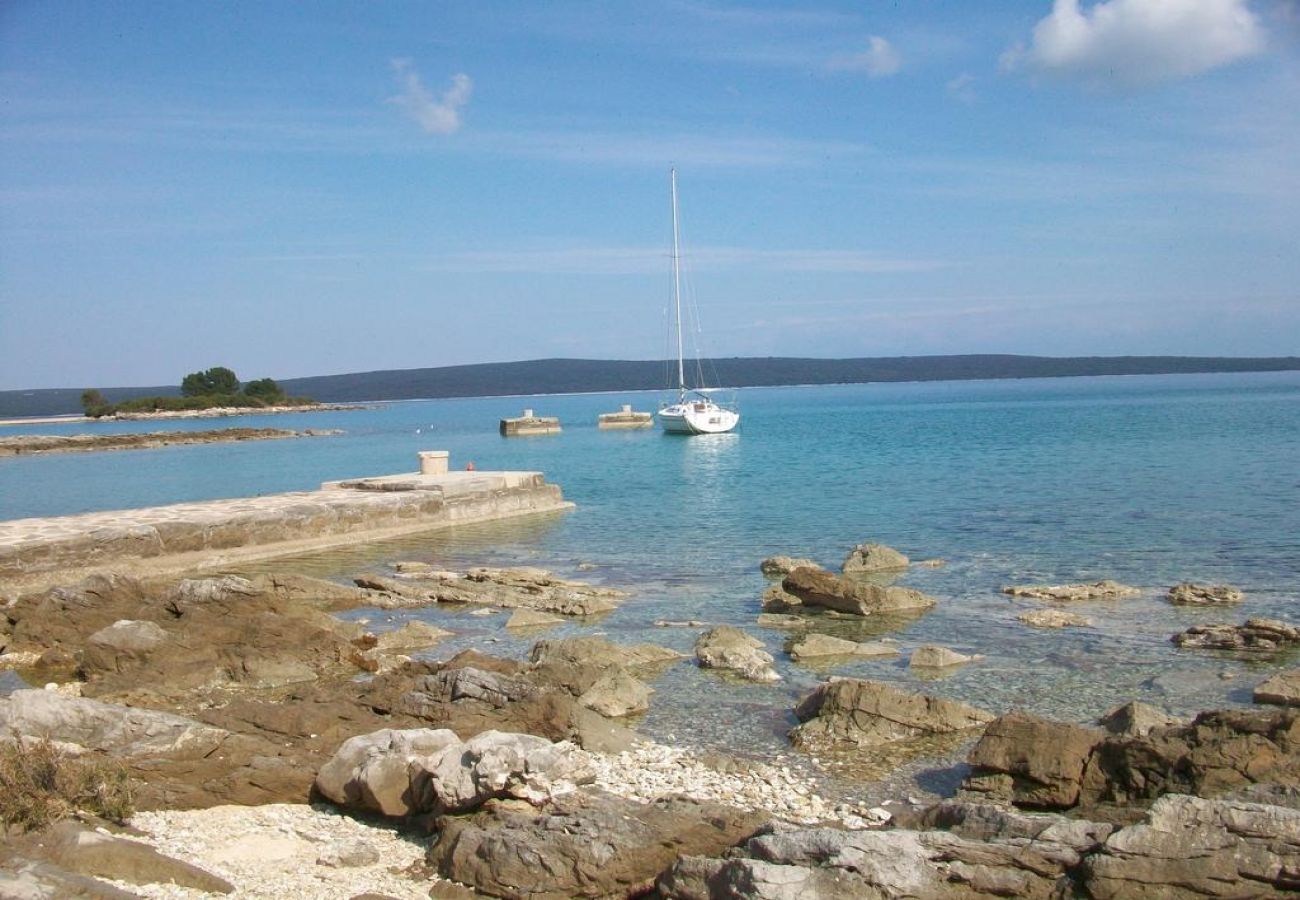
(587, 376)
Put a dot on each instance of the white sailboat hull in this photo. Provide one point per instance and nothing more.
(697, 417)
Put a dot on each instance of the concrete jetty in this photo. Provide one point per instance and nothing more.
(212, 534)
(529, 424)
(625, 418)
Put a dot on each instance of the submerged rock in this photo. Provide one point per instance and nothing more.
(1067, 593)
(1192, 594)
(868, 713)
(865, 559)
(932, 656)
(815, 646)
(729, 649)
(1053, 618)
(817, 587)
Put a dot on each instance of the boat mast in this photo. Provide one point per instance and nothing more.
(677, 288)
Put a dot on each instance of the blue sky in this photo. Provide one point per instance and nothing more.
(309, 188)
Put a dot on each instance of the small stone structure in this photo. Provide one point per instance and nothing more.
(625, 418)
(434, 462)
(529, 424)
(219, 533)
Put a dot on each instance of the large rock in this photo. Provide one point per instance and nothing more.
(123, 643)
(401, 773)
(932, 656)
(617, 694)
(1137, 719)
(1194, 847)
(1067, 593)
(586, 844)
(1255, 635)
(868, 713)
(106, 727)
(819, 646)
(1192, 594)
(817, 587)
(866, 559)
(507, 588)
(495, 765)
(1031, 761)
(601, 652)
(76, 848)
(729, 649)
(372, 772)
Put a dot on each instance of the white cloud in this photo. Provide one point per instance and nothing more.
(1139, 41)
(879, 60)
(436, 116)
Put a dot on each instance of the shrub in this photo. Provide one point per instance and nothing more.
(40, 784)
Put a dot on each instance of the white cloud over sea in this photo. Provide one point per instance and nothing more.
(436, 115)
(1133, 42)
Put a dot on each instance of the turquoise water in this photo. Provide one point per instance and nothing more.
(1147, 480)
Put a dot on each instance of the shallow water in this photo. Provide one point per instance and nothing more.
(1147, 480)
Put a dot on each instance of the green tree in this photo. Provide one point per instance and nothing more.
(264, 389)
(217, 381)
(94, 404)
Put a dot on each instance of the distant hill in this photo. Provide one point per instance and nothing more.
(564, 376)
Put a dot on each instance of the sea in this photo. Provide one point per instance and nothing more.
(1148, 480)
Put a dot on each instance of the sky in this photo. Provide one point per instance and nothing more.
(309, 188)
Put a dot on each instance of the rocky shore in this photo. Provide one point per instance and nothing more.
(27, 444)
(276, 746)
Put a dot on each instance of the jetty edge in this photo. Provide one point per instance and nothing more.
(211, 534)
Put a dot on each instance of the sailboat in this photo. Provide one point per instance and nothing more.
(693, 411)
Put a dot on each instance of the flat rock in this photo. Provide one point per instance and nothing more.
(79, 849)
(1068, 593)
(1282, 689)
(1191, 594)
(523, 587)
(781, 620)
(784, 565)
(815, 646)
(729, 649)
(932, 656)
(817, 587)
(1053, 618)
(532, 618)
(868, 713)
(865, 559)
(410, 636)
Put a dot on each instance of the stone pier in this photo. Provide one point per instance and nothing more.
(212, 534)
(529, 424)
(626, 417)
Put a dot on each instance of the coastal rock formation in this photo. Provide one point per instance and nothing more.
(817, 587)
(1031, 761)
(866, 559)
(532, 618)
(1255, 635)
(1053, 618)
(784, 565)
(1192, 594)
(21, 444)
(523, 587)
(1043, 764)
(1189, 846)
(1068, 593)
(617, 694)
(584, 844)
(816, 646)
(401, 773)
(603, 676)
(729, 649)
(868, 713)
(932, 656)
(980, 851)
(1282, 689)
